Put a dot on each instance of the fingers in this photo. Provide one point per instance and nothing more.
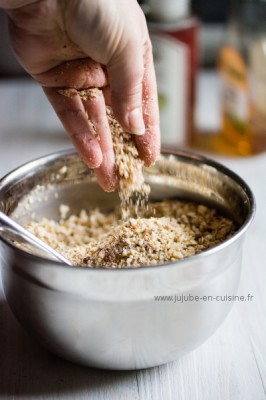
(149, 144)
(76, 74)
(84, 118)
(94, 104)
(69, 108)
(125, 73)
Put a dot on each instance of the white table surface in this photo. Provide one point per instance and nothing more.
(231, 365)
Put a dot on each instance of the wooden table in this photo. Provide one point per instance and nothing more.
(231, 365)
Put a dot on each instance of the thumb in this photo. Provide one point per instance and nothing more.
(125, 73)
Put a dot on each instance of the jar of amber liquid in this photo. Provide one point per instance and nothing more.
(242, 69)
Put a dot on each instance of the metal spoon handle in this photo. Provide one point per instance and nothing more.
(27, 236)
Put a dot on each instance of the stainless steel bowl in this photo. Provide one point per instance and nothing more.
(110, 318)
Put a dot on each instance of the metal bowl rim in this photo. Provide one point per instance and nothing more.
(181, 154)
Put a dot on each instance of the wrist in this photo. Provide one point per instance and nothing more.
(12, 4)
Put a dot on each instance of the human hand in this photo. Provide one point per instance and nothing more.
(83, 44)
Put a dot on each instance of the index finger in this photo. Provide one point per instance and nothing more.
(70, 110)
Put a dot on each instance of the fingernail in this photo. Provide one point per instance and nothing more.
(136, 123)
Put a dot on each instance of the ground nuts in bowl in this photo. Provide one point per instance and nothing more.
(109, 317)
(162, 232)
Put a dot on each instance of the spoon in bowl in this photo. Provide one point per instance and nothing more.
(9, 227)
